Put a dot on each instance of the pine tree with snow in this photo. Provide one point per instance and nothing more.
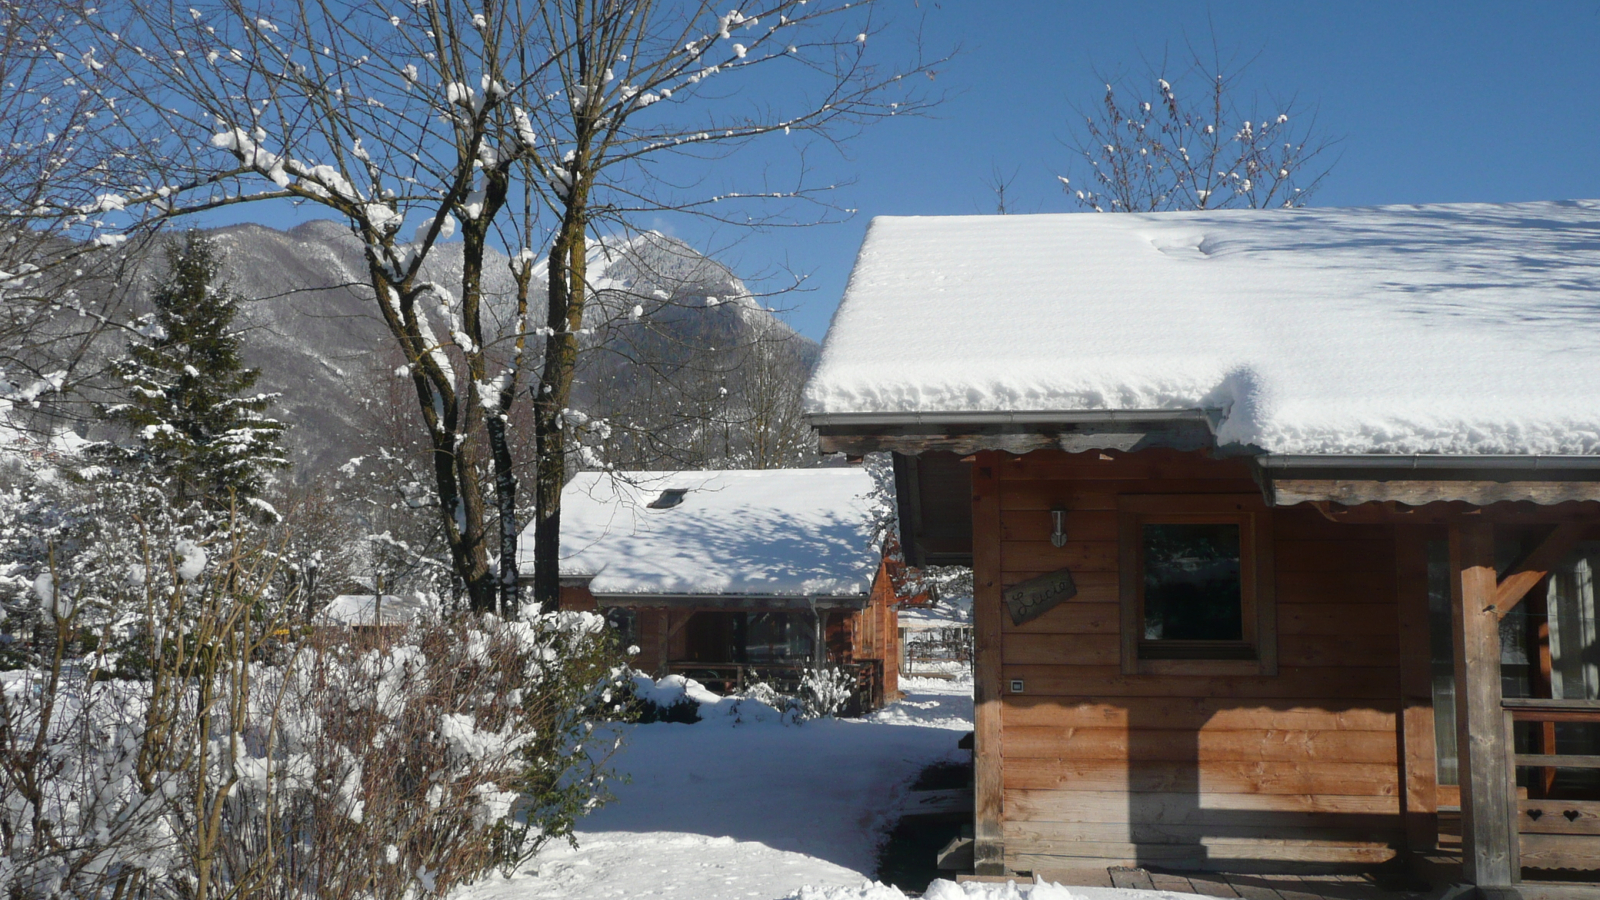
(190, 410)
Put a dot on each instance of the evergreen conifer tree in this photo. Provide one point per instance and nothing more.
(193, 419)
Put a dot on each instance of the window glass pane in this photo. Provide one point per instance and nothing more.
(773, 638)
(1191, 583)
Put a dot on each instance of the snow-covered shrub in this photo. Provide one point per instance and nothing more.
(390, 765)
(677, 698)
(171, 728)
(825, 692)
(665, 701)
(763, 692)
(109, 781)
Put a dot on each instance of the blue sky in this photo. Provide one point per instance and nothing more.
(1434, 102)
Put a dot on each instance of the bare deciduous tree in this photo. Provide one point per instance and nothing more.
(376, 115)
(533, 125)
(1155, 145)
(62, 277)
(646, 81)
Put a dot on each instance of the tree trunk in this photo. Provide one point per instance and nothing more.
(505, 495)
(484, 594)
(453, 448)
(568, 260)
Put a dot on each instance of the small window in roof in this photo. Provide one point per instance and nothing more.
(669, 498)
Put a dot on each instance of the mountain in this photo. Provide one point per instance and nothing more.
(312, 326)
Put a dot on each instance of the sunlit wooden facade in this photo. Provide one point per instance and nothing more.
(1323, 735)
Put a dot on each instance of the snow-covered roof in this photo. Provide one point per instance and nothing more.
(773, 532)
(1456, 329)
(357, 609)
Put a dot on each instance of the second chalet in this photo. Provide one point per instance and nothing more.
(735, 576)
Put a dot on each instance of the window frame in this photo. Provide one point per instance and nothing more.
(1258, 609)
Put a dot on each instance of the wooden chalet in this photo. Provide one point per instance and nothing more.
(735, 577)
(1284, 528)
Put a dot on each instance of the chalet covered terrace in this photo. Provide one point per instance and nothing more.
(1337, 746)
(1283, 526)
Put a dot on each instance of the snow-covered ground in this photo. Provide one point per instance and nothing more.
(763, 811)
(752, 810)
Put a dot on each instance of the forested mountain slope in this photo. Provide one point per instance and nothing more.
(685, 364)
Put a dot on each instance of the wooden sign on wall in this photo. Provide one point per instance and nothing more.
(1036, 596)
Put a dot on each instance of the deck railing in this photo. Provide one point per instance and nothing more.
(1552, 833)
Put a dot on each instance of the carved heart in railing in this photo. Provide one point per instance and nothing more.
(1534, 814)
(1572, 815)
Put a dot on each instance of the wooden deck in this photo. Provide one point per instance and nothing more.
(1390, 886)
(1218, 884)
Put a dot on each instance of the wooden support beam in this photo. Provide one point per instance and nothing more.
(1443, 513)
(1537, 564)
(1486, 853)
(1418, 492)
(1419, 772)
(988, 845)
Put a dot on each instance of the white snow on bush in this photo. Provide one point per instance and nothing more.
(1462, 328)
(783, 532)
(191, 559)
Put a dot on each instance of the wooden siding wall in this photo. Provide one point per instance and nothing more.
(877, 631)
(1207, 771)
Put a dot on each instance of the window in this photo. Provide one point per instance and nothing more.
(1196, 584)
(753, 638)
(669, 498)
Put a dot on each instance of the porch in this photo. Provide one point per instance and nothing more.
(1356, 886)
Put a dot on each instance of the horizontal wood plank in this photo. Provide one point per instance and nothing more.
(1352, 688)
(1276, 829)
(1103, 649)
(1560, 851)
(1080, 615)
(1102, 494)
(1261, 777)
(1042, 556)
(1190, 712)
(1322, 557)
(1210, 855)
(1158, 465)
(1202, 748)
(1080, 525)
(1305, 523)
(1347, 619)
(1339, 651)
(1420, 493)
(1558, 817)
(1192, 808)
(1353, 585)
(1558, 761)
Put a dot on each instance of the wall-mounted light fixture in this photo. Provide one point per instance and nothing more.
(1058, 519)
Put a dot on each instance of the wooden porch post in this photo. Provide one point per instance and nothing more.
(988, 846)
(1486, 853)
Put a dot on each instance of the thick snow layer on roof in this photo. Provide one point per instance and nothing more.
(784, 532)
(1462, 328)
